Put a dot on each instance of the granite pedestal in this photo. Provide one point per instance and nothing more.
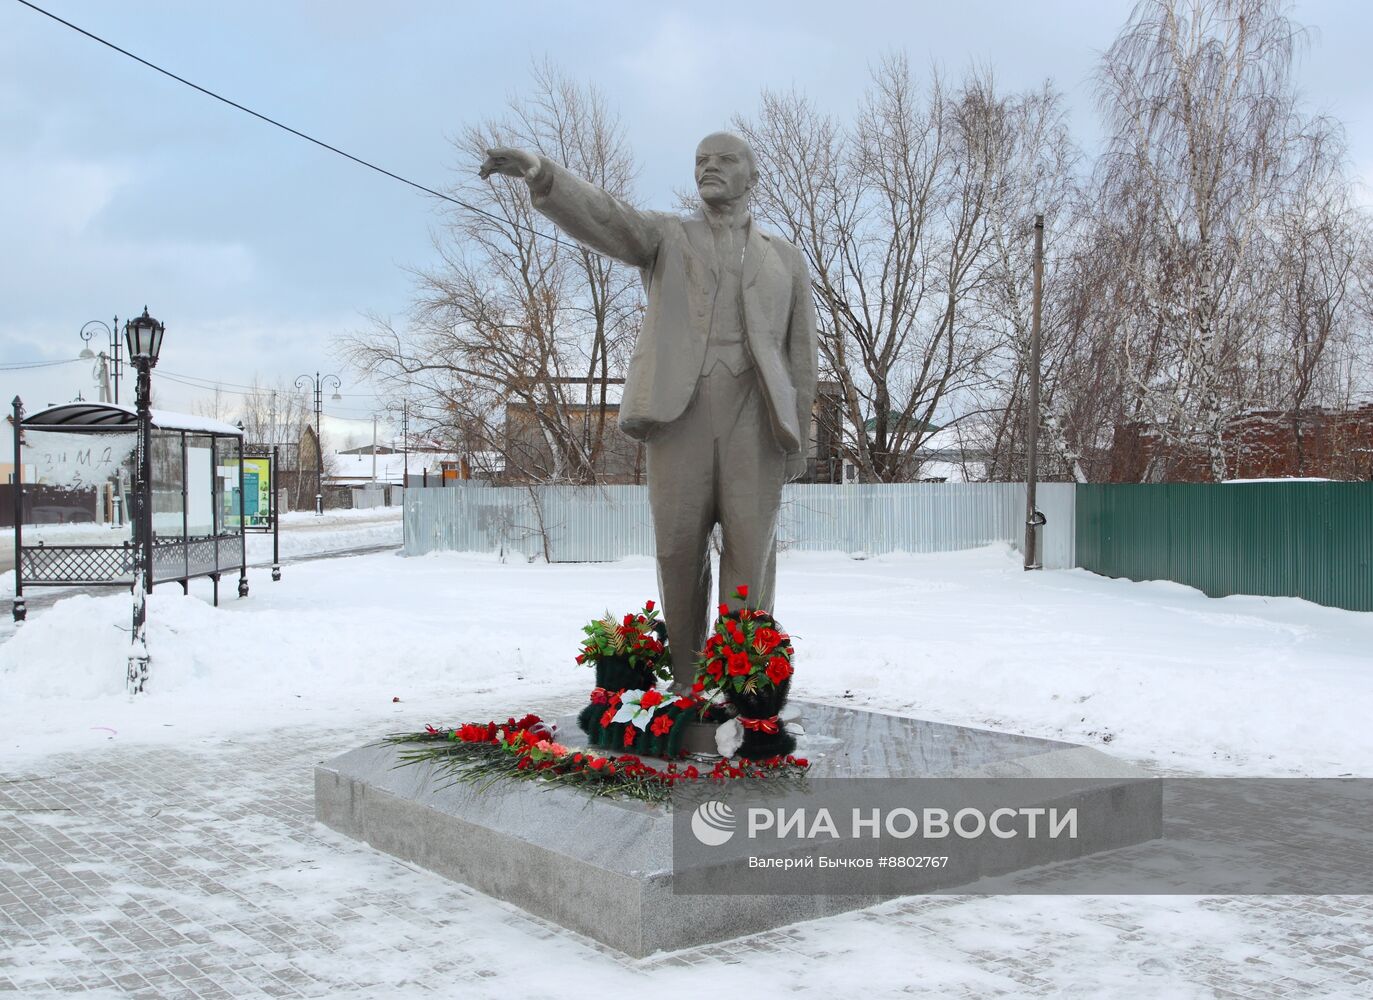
(604, 867)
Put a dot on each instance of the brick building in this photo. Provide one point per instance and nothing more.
(1261, 444)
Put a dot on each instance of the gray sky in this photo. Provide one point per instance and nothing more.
(124, 188)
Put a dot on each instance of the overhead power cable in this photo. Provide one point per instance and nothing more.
(299, 134)
(247, 390)
(25, 365)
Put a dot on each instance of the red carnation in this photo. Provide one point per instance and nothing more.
(597, 763)
(651, 699)
(661, 725)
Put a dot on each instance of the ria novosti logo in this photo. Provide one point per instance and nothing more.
(713, 823)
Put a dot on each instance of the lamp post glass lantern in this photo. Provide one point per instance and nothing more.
(144, 340)
(319, 382)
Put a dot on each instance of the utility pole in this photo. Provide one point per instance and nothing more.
(1033, 518)
(374, 449)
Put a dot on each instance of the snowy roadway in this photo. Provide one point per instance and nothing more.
(165, 846)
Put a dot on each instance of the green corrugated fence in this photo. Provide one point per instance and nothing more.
(1310, 540)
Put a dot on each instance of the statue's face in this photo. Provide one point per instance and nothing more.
(724, 170)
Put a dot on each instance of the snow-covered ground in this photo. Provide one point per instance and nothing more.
(1154, 672)
(244, 698)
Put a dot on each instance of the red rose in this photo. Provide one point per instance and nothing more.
(724, 610)
(581, 659)
(651, 699)
(768, 637)
(698, 686)
(742, 593)
(648, 605)
(686, 701)
(801, 762)
(738, 664)
(778, 670)
(661, 725)
(715, 669)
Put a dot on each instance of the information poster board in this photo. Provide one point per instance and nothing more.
(257, 494)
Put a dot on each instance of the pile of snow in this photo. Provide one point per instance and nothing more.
(1152, 672)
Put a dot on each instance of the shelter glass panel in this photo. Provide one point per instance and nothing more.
(200, 485)
(168, 482)
(228, 455)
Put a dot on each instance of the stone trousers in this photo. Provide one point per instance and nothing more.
(718, 463)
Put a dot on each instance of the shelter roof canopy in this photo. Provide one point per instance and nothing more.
(96, 417)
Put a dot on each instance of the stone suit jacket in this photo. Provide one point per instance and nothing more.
(675, 256)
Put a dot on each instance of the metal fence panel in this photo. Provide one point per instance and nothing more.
(1310, 540)
(597, 523)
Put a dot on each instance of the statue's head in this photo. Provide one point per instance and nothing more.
(725, 168)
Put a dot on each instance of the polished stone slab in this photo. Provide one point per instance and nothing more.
(604, 867)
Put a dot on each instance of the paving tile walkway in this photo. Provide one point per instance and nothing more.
(164, 872)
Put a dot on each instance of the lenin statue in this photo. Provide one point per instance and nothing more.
(722, 377)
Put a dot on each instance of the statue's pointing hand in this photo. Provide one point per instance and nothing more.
(510, 162)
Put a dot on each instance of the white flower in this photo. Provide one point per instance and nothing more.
(632, 711)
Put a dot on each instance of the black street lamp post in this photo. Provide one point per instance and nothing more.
(144, 337)
(112, 333)
(319, 382)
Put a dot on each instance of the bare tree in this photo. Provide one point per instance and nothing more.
(909, 219)
(274, 414)
(515, 321)
(1206, 144)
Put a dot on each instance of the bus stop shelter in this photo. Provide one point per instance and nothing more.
(196, 495)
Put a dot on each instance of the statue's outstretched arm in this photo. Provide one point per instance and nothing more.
(581, 209)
